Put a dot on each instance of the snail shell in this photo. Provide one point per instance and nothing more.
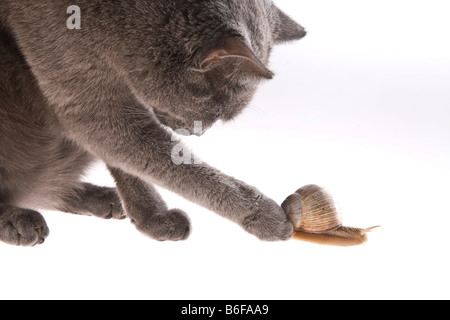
(317, 218)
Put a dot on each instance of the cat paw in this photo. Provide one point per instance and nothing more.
(269, 222)
(108, 204)
(173, 225)
(23, 227)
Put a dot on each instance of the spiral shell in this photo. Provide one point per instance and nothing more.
(317, 218)
(312, 209)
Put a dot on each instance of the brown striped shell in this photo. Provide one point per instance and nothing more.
(312, 209)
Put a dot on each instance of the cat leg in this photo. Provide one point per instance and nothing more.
(91, 200)
(136, 143)
(22, 227)
(148, 211)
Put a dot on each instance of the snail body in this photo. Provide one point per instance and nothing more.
(317, 218)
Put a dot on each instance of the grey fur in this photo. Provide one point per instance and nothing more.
(109, 90)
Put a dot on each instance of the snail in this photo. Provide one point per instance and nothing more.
(318, 219)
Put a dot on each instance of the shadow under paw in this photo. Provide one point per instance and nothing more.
(173, 225)
(23, 227)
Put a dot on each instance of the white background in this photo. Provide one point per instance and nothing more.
(361, 106)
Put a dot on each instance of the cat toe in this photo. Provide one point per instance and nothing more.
(42, 234)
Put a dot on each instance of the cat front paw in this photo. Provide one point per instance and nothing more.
(22, 227)
(173, 225)
(269, 222)
(106, 204)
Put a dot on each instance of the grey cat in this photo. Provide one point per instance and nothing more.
(111, 91)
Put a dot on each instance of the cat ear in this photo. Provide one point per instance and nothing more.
(287, 29)
(235, 56)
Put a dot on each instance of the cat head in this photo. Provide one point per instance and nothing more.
(201, 60)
